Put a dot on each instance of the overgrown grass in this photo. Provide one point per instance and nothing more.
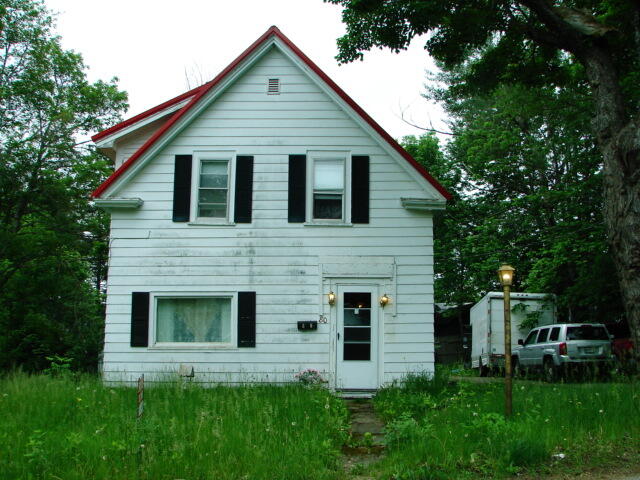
(438, 430)
(80, 429)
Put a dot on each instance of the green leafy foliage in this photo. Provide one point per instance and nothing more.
(528, 179)
(60, 366)
(507, 42)
(52, 242)
(531, 318)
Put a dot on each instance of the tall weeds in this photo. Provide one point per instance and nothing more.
(459, 431)
(79, 429)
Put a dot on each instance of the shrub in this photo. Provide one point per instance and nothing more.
(415, 394)
(59, 366)
(404, 429)
(310, 377)
(434, 384)
(527, 451)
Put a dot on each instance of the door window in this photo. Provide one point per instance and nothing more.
(357, 326)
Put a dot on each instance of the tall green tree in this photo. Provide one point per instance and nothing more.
(49, 234)
(453, 284)
(529, 191)
(503, 41)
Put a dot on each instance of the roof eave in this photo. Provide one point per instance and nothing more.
(423, 204)
(108, 141)
(147, 113)
(118, 203)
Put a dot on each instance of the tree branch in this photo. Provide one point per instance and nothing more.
(432, 129)
(563, 34)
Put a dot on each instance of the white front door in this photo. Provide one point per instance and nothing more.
(357, 337)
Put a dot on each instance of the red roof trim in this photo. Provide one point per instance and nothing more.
(145, 114)
(201, 91)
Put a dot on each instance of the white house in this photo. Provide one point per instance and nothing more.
(258, 225)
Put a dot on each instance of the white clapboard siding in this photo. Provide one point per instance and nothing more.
(278, 260)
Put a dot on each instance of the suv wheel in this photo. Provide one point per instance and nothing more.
(549, 370)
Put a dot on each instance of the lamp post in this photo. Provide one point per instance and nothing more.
(506, 274)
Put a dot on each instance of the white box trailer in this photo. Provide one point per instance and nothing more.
(487, 324)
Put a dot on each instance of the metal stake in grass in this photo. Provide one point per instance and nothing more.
(506, 274)
(140, 404)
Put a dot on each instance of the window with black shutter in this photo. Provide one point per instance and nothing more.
(319, 190)
(204, 320)
(213, 188)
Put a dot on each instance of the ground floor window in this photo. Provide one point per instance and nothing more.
(194, 320)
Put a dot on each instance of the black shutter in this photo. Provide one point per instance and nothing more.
(246, 319)
(182, 188)
(360, 189)
(297, 188)
(140, 319)
(244, 188)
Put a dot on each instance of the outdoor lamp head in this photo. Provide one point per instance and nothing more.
(331, 298)
(506, 274)
(384, 299)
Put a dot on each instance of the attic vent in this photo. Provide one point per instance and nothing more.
(273, 86)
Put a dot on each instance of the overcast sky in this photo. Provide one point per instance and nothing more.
(152, 46)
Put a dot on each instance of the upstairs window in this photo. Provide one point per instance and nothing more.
(328, 189)
(213, 189)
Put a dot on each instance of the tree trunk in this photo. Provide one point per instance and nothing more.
(619, 141)
(618, 135)
(622, 217)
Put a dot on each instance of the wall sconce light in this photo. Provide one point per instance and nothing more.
(384, 299)
(331, 298)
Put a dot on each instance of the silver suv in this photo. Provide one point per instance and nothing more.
(557, 348)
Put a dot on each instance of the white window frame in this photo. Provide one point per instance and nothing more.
(198, 158)
(153, 323)
(312, 157)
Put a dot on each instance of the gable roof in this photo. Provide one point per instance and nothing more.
(195, 95)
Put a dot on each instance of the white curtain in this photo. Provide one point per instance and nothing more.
(198, 320)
